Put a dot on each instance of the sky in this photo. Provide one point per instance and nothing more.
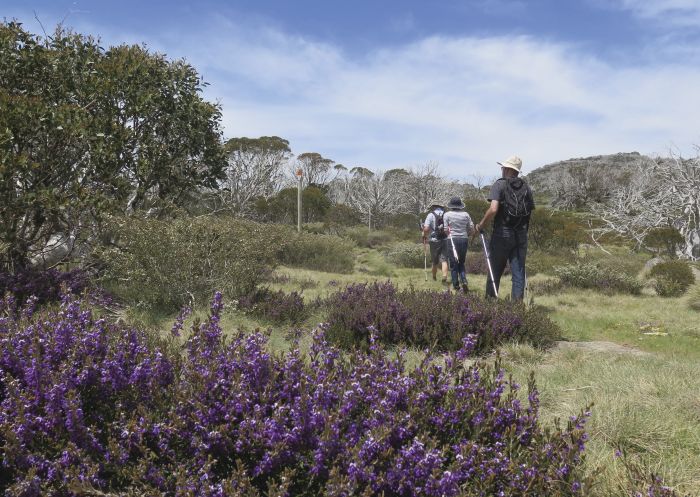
(460, 83)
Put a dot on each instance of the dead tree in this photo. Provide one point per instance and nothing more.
(662, 192)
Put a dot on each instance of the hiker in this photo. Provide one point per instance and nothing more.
(459, 225)
(433, 229)
(511, 204)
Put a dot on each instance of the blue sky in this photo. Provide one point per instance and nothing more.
(385, 84)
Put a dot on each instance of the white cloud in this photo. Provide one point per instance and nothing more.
(675, 12)
(465, 102)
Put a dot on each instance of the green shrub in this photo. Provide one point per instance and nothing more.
(672, 278)
(406, 254)
(278, 307)
(665, 239)
(167, 264)
(327, 253)
(368, 239)
(555, 230)
(539, 261)
(476, 208)
(342, 215)
(584, 274)
(694, 299)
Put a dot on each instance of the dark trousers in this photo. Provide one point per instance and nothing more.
(508, 246)
(457, 266)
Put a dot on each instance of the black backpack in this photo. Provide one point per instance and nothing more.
(439, 225)
(517, 202)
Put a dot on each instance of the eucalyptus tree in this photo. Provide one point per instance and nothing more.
(377, 194)
(84, 131)
(254, 170)
(425, 185)
(316, 169)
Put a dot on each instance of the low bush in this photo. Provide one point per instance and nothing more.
(546, 262)
(548, 286)
(694, 299)
(476, 261)
(551, 230)
(584, 274)
(431, 319)
(672, 278)
(368, 239)
(278, 307)
(406, 254)
(45, 285)
(327, 253)
(168, 264)
(664, 239)
(93, 409)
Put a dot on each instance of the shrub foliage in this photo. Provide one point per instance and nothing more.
(45, 285)
(328, 253)
(277, 306)
(171, 263)
(431, 319)
(672, 278)
(90, 408)
(407, 254)
(582, 274)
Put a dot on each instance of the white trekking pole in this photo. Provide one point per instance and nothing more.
(425, 253)
(488, 262)
(454, 250)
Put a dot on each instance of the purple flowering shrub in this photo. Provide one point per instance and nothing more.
(278, 307)
(45, 285)
(89, 408)
(432, 319)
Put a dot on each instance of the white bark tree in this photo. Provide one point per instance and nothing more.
(663, 192)
(316, 169)
(425, 185)
(255, 169)
(377, 194)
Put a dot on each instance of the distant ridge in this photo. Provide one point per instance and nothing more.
(615, 168)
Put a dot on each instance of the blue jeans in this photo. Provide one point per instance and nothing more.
(508, 245)
(457, 267)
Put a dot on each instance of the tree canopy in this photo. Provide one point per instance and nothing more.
(84, 130)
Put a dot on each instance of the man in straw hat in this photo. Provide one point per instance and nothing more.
(433, 228)
(511, 204)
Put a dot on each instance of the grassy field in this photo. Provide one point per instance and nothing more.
(636, 359)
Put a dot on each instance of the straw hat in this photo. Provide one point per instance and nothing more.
(512, 162)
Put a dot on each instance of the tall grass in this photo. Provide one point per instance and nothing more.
(644, 405)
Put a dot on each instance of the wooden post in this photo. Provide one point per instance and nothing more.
(299, 175)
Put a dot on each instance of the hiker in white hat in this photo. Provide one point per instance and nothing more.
(511, 204)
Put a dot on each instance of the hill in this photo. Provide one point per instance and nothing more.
(613, 170)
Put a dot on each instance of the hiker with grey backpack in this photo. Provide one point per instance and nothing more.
(511, 205)
(434, 230)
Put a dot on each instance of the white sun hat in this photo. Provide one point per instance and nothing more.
(513, 162)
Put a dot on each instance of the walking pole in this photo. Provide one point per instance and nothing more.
(488, 262)
(526, 293)
(425, 253)
(454, 250)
